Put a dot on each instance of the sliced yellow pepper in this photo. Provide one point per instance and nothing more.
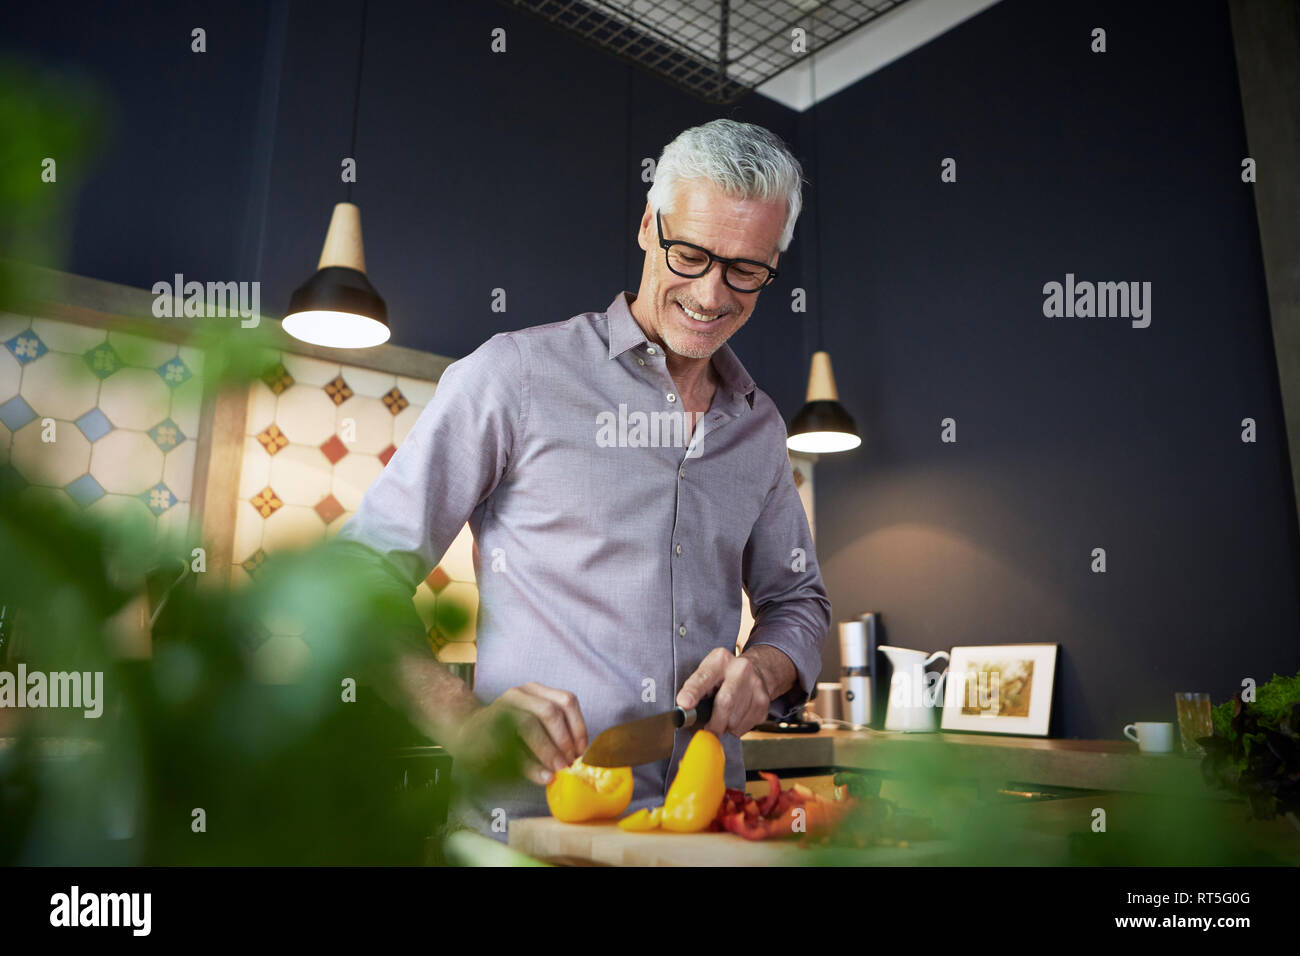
(696, 791)
(579, 792)
(641, 820)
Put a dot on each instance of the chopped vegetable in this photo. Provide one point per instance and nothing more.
(579, 792)
(697, 791)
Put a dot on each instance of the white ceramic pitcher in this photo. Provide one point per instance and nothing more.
(913, 707)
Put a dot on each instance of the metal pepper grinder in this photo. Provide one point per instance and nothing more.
(857, 653)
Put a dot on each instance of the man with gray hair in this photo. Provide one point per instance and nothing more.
(623, 478)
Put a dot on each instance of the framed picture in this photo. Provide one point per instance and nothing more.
(1000, 689)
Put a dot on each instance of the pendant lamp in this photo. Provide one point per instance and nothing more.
(823, 424)
(338, 306)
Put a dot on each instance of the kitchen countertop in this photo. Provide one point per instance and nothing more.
(991, 759)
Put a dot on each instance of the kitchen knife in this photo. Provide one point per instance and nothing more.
(645, 740)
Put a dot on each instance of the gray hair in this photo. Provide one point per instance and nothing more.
(744, 160)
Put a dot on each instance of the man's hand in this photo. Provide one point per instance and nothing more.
(746, 686)
(547, 721)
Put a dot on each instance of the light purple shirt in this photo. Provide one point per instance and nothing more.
(609, 555)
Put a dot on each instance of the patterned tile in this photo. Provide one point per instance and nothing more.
(437, 579)
(395, 400)
(59, 386)
(85, 490)
(158, 498)
(125, 462)
(134, 398)
(166, 434)
(387, 454)
(16, 413)
(103, 360)
(338, 390)
(94, 425)
(253, 564)
(365, 381)
(267, 502)
(365, 425)
(174, 372)
(333, 449)
(272, 439)
(299, 476)
(26, 347)
(67, 336)
(277, 378)
(309, 371)
(352, 476)
(51, 463)
(306, 415)
(329, 508)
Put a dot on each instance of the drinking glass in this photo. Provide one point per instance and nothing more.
(1193, 720)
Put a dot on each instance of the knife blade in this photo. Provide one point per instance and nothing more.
(645, 740)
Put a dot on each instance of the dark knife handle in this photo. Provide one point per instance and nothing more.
(698, 715)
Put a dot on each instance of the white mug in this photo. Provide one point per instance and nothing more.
(1151, 738)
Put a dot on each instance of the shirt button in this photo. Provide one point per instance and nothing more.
(640, 361)
(681, 472)
(682, 630)
(671, 397)
(650, 349)
(679, 549)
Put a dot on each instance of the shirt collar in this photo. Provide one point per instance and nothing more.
(625, 334)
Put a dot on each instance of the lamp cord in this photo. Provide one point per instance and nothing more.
(817, 186)
(356, 98)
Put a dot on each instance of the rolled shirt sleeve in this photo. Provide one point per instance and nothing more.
(791, 609)
(455, 456)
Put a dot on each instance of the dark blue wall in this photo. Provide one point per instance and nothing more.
(521, 171)
(1072, 433)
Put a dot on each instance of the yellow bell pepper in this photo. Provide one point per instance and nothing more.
(641, 820)
(579, 792)
(696, 792)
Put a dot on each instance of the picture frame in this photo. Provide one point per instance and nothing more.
(1001, 689)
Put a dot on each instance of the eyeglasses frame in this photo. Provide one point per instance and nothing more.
(667, 244)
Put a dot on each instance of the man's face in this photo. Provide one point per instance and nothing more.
(732, 228)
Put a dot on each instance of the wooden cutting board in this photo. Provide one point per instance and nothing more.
(604, 842)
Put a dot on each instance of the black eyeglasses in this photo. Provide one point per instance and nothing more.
(691, 261)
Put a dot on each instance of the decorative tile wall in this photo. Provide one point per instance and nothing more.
(317, 434)
(125, 413)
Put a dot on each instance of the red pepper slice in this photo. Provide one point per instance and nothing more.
(773, 795)
(751, 828)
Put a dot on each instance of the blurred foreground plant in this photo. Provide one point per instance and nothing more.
(242, 716)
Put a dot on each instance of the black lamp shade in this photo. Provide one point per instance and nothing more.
(823, 426)
(337, 306)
